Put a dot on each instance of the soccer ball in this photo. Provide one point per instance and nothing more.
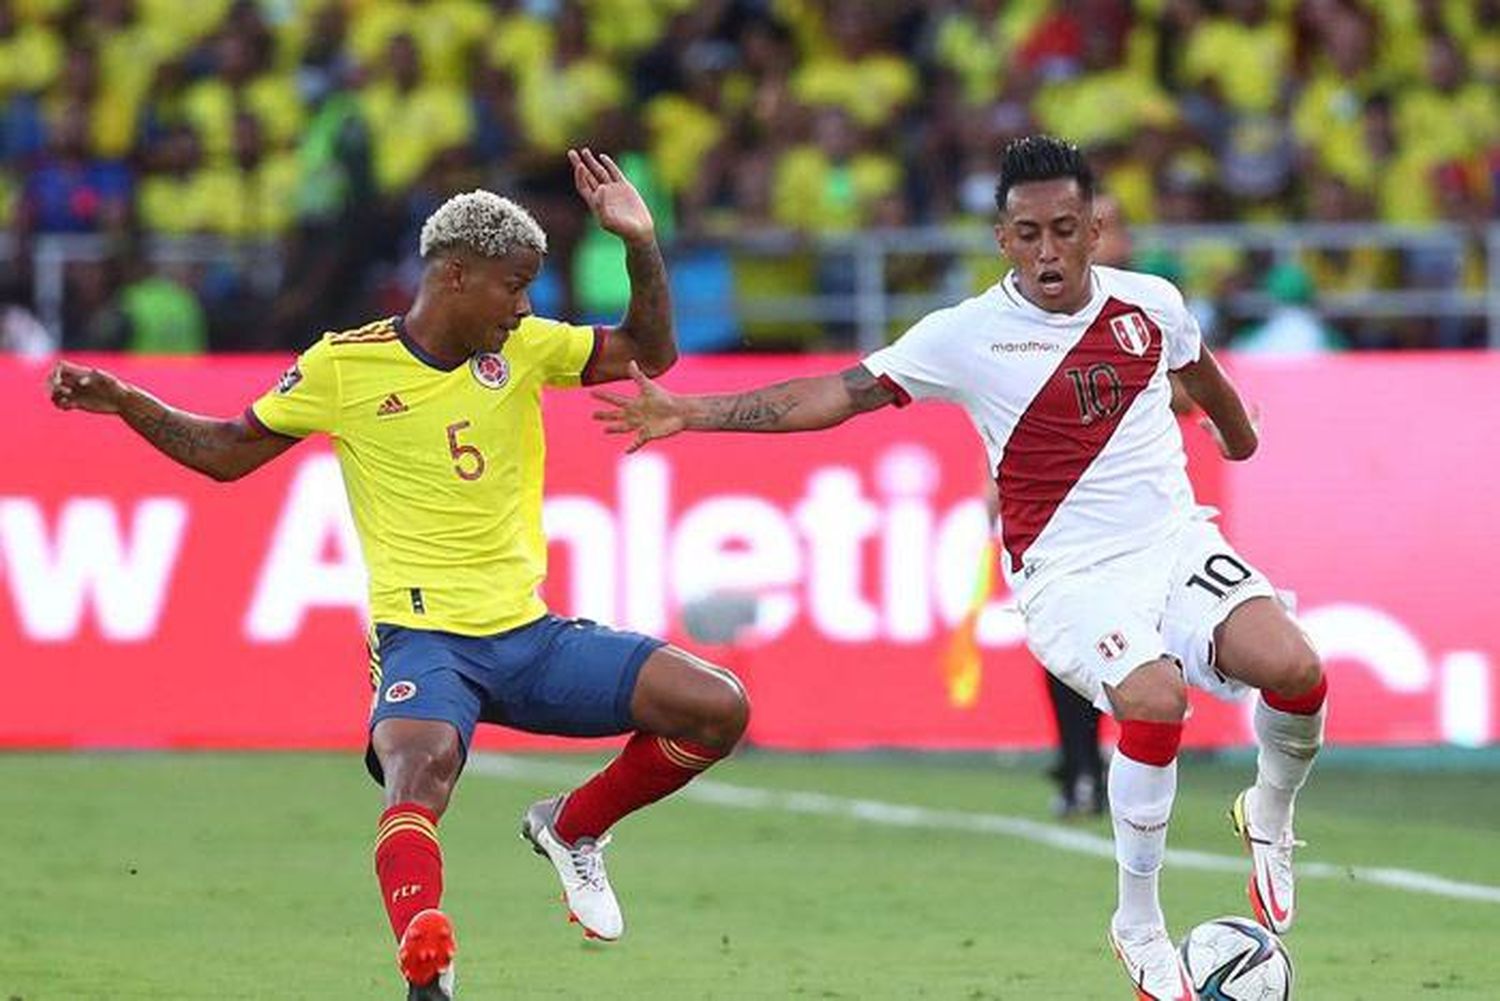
(1235, 959)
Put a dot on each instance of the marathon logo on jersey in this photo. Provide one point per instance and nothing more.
(289, 379)
(1112, 646)
(1023, 347)
(490, 370)
(400, 691)
(1132, 333)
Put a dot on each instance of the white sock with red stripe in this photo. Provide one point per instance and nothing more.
(1290, 733)
(1142, 787)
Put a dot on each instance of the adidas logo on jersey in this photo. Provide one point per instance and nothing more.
(391, 406)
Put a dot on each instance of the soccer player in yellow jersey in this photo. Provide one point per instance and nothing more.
(436, 420)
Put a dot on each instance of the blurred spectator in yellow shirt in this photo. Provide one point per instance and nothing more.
(30, 54)
(832, 184)
(687, 130)
(175, 197)
(110, 122)
(242, 80)
(618, 29)
(860, 74)
(1448, 116)
(1398, 178)
(446, 33)
(1328, 114)
(562, 85)
(1107, 100)
(254, 195)
(1245, 51)
(977, 41)
(411, 120)
(126, 51)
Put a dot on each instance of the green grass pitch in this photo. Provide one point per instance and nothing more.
(205, 877)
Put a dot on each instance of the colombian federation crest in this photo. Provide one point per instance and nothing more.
(490, 370)
(1132, 333)
(400, 691)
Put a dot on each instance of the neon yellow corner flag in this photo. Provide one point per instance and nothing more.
(963, 663)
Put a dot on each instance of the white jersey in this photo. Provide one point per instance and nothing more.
(1074, 409)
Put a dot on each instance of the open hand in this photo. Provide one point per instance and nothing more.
(610, 195)
(654, 413)
(74, 387)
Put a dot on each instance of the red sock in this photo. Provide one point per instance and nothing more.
(1305, 704)
(408, 863)
(1150, 743)
(647, 769)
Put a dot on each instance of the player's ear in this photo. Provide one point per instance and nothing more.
(1000, 240)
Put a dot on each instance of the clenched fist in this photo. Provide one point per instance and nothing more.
(74, 387)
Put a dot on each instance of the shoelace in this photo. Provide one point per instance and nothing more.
(1281, 850)
(588, 863)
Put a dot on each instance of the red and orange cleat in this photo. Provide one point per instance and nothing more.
(426, 955)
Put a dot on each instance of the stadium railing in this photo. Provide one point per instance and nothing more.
(852, 285)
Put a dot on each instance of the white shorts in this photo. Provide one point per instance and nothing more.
(1093, 627)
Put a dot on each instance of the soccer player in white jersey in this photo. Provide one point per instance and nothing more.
(1130, 592)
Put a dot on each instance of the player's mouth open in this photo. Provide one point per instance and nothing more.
(1050, 281)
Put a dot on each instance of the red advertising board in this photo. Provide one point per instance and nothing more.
(144, 606)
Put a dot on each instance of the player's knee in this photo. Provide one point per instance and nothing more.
(424, 774)
(1168, 703)
(725, 715)
(1154, 692)
(1302, 671)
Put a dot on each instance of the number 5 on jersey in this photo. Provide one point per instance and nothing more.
(468, 461)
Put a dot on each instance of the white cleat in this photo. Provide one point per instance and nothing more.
(1273, 885)
(1152, 963)
(591, 902)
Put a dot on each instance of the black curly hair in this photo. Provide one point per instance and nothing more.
(1041, 158)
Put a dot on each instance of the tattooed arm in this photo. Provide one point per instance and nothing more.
(796, 405)
(645, 335)
(222, 449)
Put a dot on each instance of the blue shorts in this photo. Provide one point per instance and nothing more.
(567, 677)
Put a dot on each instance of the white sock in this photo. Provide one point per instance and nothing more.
(1140, 804)
(1288, 744)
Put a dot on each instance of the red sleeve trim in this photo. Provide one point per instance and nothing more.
(254, 421)
(901, 395)
(601, 333)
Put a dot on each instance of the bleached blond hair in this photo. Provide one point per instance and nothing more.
(483, 222)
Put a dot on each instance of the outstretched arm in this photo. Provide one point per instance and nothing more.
(1226, 418)
(807, 404)
(645, 335)
(222, 449)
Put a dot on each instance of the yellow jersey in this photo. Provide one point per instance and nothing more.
(442, 465)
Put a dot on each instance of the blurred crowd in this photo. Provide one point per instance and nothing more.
(310, 138)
